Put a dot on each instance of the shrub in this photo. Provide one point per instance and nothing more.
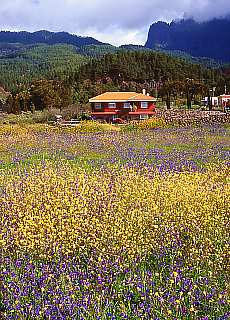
(151, 123)
(84, 116)
(29, 118)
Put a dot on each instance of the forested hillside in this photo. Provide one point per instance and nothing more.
(140, 66)
(8, 49)
(98, 51)
(39, 62)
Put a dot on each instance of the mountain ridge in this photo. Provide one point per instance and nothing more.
(199, 39)
(47, 37)
(183, 38)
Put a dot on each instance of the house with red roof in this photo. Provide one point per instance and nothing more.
(110, 106)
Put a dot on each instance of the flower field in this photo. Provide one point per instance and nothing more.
(114, 225)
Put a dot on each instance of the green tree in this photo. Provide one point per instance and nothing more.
(193, 88)
(48, 94)
(170, 88)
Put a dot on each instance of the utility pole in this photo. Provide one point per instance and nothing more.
(210, 95)
(213, 96)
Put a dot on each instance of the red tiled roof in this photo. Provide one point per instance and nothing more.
(142, 97)
(122, 97)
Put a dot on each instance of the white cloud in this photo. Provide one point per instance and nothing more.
(114, 21)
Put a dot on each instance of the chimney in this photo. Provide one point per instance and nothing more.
(144, 91)
(147, 94)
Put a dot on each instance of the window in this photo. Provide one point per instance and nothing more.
(127, 105)
(144, 105)
(144, 116)
(115, 116)
(111, 105)
(97, 106)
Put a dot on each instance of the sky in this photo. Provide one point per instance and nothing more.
(112, 21)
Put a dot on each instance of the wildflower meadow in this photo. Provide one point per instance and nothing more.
(114, 224)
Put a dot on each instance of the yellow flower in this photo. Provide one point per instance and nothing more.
(192, 309)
